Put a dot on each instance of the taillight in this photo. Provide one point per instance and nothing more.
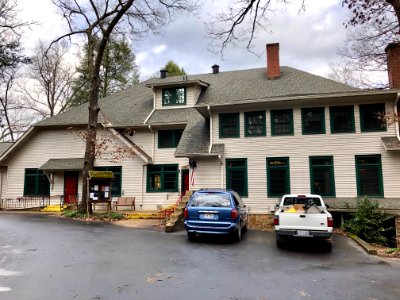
(330, 222)
(276, 220)
(234, 214)
(186, 213)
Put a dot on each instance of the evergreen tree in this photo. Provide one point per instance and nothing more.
(118, 71)
(173, 69)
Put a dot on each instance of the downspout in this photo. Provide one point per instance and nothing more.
(221, 170)
(153, 144)
(211, 129)
(397, 116)
(142, 189)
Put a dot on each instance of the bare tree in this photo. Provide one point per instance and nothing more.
(14, 120)
(242, 19)
(371, 27)
(96, 21)
(48, 88)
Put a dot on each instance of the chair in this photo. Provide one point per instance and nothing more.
(125, 201)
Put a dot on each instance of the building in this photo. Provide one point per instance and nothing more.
(262, 132)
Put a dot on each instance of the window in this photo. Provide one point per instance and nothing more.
(169, 138)
(369, 117)
(36, 183)
(162, 178)
(229, 125)
(278, 176)
(116, 184)
(369, 175)
(313, 120)
(173, 96)
(322, 176)
(236, 175)
(254, 123)
(282, 122)
(342, 119)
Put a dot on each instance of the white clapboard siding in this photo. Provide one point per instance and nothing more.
(40, 147)
(343, 148)
(207, 174)
(143, 138)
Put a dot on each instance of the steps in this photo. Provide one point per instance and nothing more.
(175, 221)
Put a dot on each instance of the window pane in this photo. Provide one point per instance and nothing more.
(170, 180)
(369, 179)
(342, 119)
(278, 176)
(369, 175)
(236, 175)
(30, 183)
(255, 123)
(322, 181)
(370, 120)
(162, 178)
(155, 181)
(174, 96)
(277, 179)
(313, 120)
(165, 139)
(282, 122)
(229, 125)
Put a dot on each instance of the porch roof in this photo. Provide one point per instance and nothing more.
(391, 143)
(66, 164)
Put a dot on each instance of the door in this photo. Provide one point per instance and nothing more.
(185, 182)
(70, 185)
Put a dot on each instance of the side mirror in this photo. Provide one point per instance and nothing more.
(327, 206)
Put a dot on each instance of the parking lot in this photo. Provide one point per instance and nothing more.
(47, 257)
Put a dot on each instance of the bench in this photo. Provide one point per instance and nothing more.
(125, 201)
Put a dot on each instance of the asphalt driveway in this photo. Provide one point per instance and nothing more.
(45, 257)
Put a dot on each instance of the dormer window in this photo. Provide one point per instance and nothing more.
(174, 96)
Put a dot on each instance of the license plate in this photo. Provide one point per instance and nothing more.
(208, 216)
(303, 233)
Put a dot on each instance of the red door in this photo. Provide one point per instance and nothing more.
(185, 181)
(70, 185)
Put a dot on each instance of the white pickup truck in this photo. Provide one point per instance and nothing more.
(302, 216)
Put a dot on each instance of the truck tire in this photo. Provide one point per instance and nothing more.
(279, 241)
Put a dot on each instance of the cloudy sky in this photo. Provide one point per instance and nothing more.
(308, 41)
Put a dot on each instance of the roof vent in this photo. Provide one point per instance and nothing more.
(163, 73)
(215, 69)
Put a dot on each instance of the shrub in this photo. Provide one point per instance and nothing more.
(73, 214)
(368, 222)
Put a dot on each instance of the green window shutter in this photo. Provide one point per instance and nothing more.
(169, 138)
(116, 184)
(369, 117)
(162, 178)
(282, 122)
(36, 183)
(254, 123)
(236, 176)
(369, 175)
(173, 96)
(322, 178)
(278, 176)
(229, 125)
(342, 119)
(313, 120)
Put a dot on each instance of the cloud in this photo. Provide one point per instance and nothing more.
(159, 49)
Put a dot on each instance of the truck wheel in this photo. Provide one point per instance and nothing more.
(279, 241)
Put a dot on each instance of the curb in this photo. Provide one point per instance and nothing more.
(367, 247)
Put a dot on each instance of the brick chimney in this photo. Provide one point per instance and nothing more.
(393, 61)
(273, 67)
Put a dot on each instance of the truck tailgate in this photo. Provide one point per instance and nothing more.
(303, 221)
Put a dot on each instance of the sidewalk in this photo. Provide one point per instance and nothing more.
(139, 223)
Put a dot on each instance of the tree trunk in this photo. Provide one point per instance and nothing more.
(396, 7)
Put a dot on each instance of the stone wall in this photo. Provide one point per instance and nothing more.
(261, 222)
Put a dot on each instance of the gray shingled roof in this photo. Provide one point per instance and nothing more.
(240, 86)
(195, 138)
(131, 107)
(4, 147)
(63, 164)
